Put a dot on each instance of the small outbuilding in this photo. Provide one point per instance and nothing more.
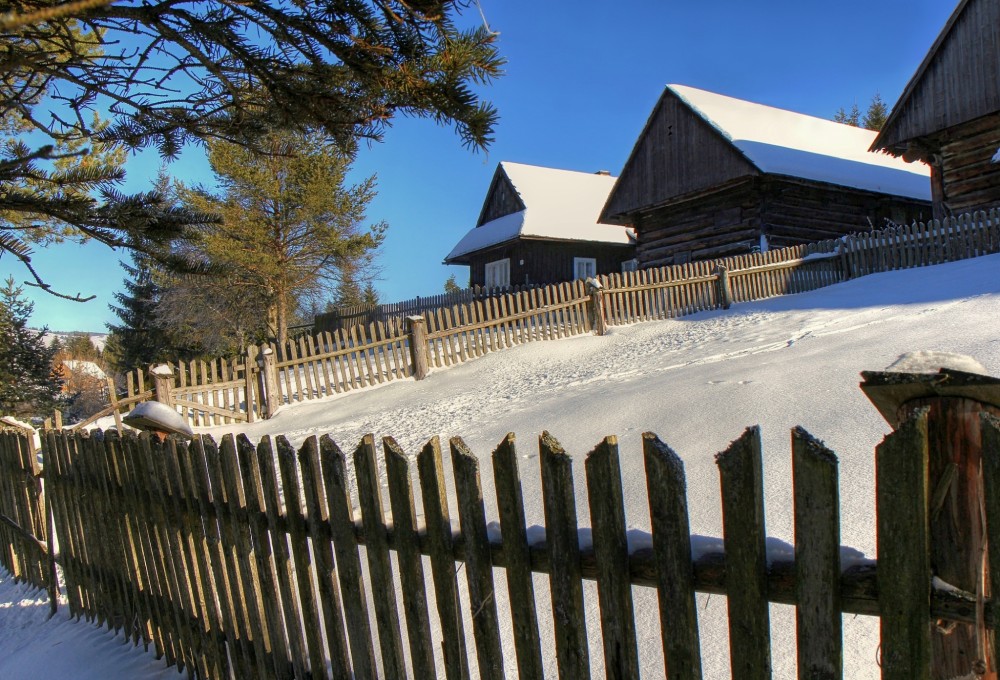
(539, 226)
(949, 114)
(712, 176)
(78, 376)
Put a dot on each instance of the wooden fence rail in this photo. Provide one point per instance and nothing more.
(360, 355)
(245, 560)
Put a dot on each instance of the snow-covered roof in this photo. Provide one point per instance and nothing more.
(559, 204)
(88, 368)
(794, 144)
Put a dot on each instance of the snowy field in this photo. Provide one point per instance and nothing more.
(697, 382)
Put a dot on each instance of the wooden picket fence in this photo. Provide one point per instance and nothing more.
(215, 392)
(391, 316)
(243, 560)
(24, 531)
(360, 356)
(318, 366)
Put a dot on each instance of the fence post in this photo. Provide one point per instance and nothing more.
(416, 331)
(163, 382)
(597, 320)
(954, 401)
(113, 401)
(250, 364)
(269, 381)
(725, 292)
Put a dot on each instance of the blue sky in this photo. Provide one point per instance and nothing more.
(580, 82)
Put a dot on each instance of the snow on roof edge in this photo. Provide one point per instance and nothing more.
(779, 141)
(559, 205)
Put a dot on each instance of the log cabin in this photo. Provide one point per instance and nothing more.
(711, 176)
(539, 226)
(948, 116)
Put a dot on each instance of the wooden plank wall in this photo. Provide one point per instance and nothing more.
(684, 289)
(221, 557)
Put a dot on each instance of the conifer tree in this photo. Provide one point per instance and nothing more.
(876, 114)
(873, 119)
(290, 226)
(137, 342)
(28, 386)
(451, 285)
(851, 118)
(169, 74)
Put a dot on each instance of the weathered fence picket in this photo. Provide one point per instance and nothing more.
(817, 558)
(671, 551)
(607, 515)
(478, 564)
(441, 551)
(520, 586)
(562, 540)
(746, 556)
(904, 552)
(379, 566)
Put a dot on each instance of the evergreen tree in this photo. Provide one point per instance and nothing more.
(290, 228)
(79, 346)
(370, 296)
(451, 285)
(851, 118)
(349, 293)
(876, 114)
(137, 341)
(873, 119)
(170, 74)
(28, 386)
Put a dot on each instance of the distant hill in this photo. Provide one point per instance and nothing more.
(98, 339)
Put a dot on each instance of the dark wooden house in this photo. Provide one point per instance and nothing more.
(949, 114)
(539, 226)
(712, 176)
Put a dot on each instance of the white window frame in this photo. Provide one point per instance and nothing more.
(589, 265)
(498, 273)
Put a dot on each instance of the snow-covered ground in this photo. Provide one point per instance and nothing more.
(697, 382)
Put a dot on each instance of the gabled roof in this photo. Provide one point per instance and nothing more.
(85, 368)
(763, 139)
(561, 205)
(958, 80)
(783, 142)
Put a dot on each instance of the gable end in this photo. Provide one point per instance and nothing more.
(958, 81)
(502, 198)
(677, 153)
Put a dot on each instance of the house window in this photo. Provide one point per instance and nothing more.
(498, 274)
(630, 265)
(584, 267)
